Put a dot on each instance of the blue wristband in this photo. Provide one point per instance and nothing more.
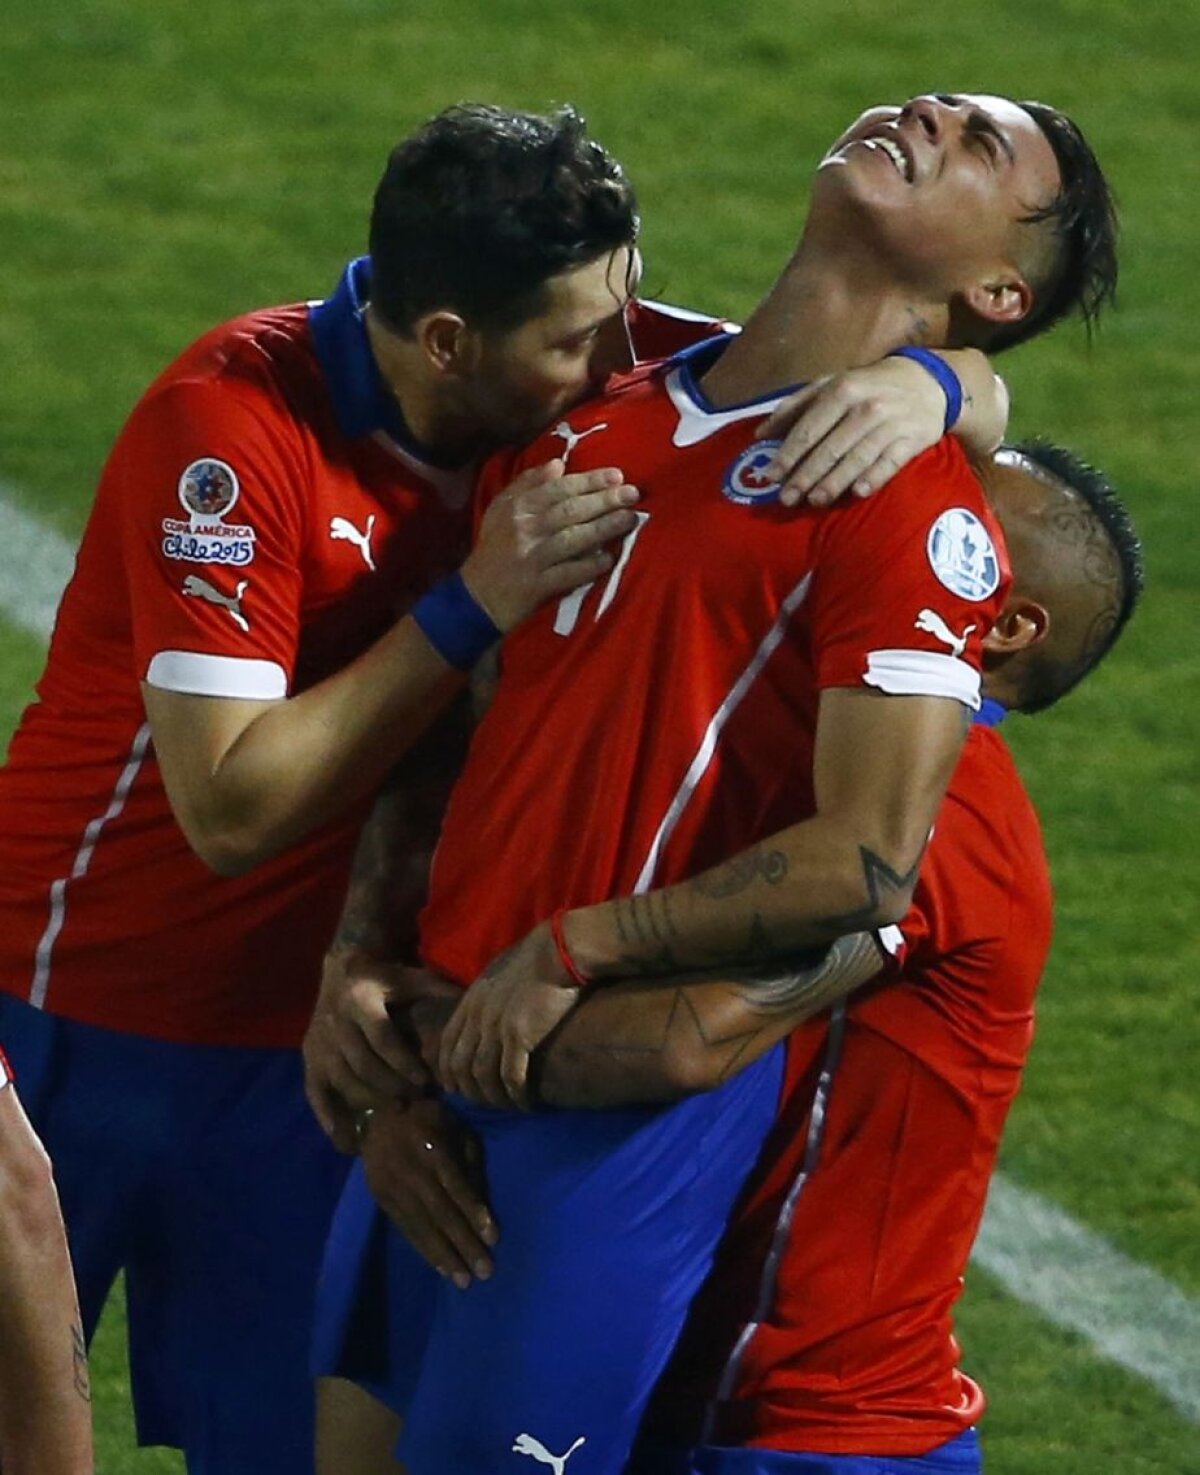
(455, 623)
(934, 364)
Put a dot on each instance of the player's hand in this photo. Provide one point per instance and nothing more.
(853, 431)
(545, 535)
(354, 1056)
(425, 1169)
(504, 1016)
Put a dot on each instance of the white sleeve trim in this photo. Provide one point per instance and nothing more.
(195, 674)
(891, 939)
(923, 673)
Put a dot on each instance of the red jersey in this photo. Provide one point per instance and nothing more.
(653, 723)
(258, 524)
(826, 1323)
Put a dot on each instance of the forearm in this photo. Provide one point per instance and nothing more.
(985, 405)
(45, 1408)
(803, 888)
(881, 765)
(649, 1042)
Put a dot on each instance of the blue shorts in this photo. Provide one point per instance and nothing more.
(200, 1172)
(608, 1222)
(962, 1456)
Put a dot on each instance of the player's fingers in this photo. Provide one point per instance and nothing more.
(514, 1071)
(486, 1084)
(381, 1035)
(885, 466)
(825, 454)
(409, 1213)
(586, 507)
(562, 578)
(871, 460)
(460, 1215)
(582, 538)
(334, 1116)
(785, 414)
(369, 1073)
(454, 1063)
(550, 490)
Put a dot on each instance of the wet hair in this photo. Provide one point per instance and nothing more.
(1083, 218)
(482, 205)
(1113, 555)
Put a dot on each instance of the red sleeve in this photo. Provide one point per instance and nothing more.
(908, 583)
(211, 506)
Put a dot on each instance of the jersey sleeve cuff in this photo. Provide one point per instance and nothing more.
(195, 674)
(922, 673)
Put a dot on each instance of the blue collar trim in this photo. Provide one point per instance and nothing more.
(991, 713)
(361, 400)
(695, 361)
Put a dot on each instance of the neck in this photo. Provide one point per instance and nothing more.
(446, 435)
(829, 311)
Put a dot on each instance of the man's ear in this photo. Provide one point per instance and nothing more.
(447, 343)
(1023, 623)
(1006, 299)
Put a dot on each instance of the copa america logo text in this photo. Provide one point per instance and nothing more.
(746, 481)
(207, 489)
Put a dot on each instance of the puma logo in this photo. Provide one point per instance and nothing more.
(526, 1444)
(933, 624)
(202, 589)
(573, 437)
(343, 528)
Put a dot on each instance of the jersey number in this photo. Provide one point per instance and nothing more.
(568, 609)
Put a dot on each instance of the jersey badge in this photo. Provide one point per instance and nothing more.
(200, 588)
(342, 528)
(746, 481)
(932, 623)
(208, 489)
(963, 556)
(571, 438)
(526, 1444)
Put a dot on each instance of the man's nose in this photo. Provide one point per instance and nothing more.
(933, 113)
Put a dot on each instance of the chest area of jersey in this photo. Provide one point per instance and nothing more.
(712, 548)
(377, 535)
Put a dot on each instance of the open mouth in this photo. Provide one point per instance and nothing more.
(892, 149)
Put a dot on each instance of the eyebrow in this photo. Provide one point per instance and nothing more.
(979, 122)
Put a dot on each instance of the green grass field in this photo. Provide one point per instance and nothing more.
(166, 165)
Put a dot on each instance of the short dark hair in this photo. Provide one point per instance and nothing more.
(1083, 216)
(482, 205)
(1050, 680)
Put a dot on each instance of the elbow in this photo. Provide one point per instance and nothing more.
(227, 850)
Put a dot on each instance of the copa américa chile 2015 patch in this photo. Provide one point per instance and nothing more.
(746, 481)
(963, 556)
(208, 488)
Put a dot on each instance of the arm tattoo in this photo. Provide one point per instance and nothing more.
(742, 871)
(805, 991)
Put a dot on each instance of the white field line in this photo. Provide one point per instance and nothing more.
(35, 563)
(1128, 1312)
(1043, 1257)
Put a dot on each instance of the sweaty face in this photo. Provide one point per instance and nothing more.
(944, 182)
(528, 376)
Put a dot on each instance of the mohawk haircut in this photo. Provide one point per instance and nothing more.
(1051, 681)
(1083, 216)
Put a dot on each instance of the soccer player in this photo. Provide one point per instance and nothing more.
(729, 676)
(234, 670)
(826, 1323)
(45, 1404)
